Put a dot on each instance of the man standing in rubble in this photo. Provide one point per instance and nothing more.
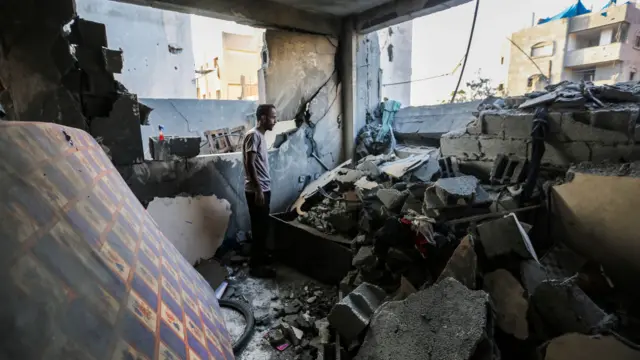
(257, 182)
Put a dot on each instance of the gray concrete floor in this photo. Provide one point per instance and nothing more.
(263, 295)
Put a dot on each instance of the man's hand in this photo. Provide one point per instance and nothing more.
(259, 197)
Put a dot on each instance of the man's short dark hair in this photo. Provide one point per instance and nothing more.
(264, 109)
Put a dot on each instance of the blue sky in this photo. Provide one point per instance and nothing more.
(440, 40)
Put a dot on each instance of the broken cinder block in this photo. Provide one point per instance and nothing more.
(507, 296)
(446, 321)
(351, 316)
(459, 190)
(502, 237)
(462, 265)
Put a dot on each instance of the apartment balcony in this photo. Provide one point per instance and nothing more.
(615, 15)
(594, 55)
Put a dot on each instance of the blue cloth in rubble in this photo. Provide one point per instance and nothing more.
(389, 110)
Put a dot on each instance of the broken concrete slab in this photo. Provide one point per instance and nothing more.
(459, 190)
(347, 177)
(565, 308)
(392, 199)
(508, 302)
(351, 316)
(540, 100)
(369, 168)
(462, 265)
(502, 237)
(584, 347)
(446, 321)
(365, 258)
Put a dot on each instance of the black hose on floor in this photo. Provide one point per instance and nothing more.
(247, 312)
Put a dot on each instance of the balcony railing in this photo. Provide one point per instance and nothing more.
(594, 55)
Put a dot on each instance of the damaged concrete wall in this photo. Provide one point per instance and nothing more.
(367, 78)
(294, 66)
(396, 43)
(194, 225)
(192, 117)
(596, 213)
(145, 35)
(301, 74)
(425, 125)
(32, 60)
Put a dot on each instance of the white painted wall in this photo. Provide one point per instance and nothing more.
(195, 226)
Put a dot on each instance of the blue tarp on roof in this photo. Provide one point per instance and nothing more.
(613, 3)
(576, 9)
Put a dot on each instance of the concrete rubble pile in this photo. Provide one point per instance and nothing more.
(457, 261)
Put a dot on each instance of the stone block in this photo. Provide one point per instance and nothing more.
(502, 237)
(574, 130)
(463, 265)
(475, 127)
(351, 316)
(491, 147)
(493, 124)
(461, 146)
(566, 153)
(615, 120)
(509, 304)
(392, 199)
(565, 308)
(518, 126)
(585, 347)
(445, 321)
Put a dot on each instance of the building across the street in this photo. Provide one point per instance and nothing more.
(578, 44)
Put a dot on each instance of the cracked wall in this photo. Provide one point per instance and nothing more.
(300, 75)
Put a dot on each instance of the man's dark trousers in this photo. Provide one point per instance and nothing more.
(259, 227)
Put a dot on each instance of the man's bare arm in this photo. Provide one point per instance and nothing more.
(253, 176)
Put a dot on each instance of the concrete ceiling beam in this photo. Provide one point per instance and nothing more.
(398, 11)
(263, 13)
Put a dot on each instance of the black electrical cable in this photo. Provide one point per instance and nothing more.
(466, 55)
(244, 309)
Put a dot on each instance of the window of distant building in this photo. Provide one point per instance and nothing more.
(585, 75)
(637, 43)
(542, 49)
(632, 76)
(502, 60)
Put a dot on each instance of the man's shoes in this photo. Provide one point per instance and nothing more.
(262, 272)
